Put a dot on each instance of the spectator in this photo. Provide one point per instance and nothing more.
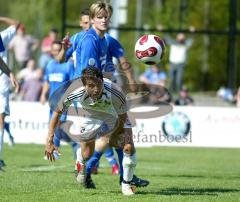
(46, 56)
(153, 75)
(31, 88)
(23, 46)
(177, 58)
(184, 98)
(226, 94)
(28, 72)
(155, 79)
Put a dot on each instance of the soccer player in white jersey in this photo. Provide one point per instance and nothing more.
(5, 74)
(104, 101)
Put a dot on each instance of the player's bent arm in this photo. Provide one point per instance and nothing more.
(49, 148)
(8, 72)
(127, 69)
(53, 124)
(44, 92)
(62, 53)
(9, 21)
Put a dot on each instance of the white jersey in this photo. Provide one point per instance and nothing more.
(7, 36)
(111, 104)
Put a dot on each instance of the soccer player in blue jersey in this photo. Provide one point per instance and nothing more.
(114, 49)
(85, 25)
(56, 73)
(71, 52)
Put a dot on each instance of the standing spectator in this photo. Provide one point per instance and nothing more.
(23, 45)
(5, 37)
(177, 59)
(184, 98)
(46, 56)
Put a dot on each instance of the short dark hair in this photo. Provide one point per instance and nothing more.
(91, 73)
(85, 12)
(54, 30)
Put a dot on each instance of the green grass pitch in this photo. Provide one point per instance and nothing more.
(176, 174)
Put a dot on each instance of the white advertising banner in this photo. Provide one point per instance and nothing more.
(185, 126)
(204, 127)
(28, 122)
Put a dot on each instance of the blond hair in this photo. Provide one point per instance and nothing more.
(98, 7)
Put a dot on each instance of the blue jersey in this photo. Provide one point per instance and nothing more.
(91, 50)
(1, 45)
(57, 73)
(114, 50)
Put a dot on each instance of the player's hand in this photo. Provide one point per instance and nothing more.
(49, 148)
(66, 41)
(14, 82)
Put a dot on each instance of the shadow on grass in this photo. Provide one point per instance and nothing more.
(191, 191)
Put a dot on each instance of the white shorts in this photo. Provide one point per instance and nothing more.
(4, 103)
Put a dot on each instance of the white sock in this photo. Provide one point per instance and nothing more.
(1, 139)
(79, 157)
(129, 164)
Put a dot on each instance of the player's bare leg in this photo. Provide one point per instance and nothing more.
(83, 154)
(130, 181)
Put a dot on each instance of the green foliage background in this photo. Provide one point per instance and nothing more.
(41, 15)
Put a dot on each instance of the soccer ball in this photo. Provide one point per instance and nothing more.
(149, 49)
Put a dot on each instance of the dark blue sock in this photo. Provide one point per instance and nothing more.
(7, 128)
(120, 159)
(93, 161)
(110, 156)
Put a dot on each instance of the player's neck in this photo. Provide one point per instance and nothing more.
(100, 33)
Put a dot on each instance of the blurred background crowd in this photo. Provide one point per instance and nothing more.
(201, 58)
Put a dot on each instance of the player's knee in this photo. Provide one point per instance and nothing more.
(87, 153)
(101, 144)
(129, 161)
(128, 148)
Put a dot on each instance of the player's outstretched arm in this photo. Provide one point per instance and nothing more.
(9, 21)
(128, 71)
(49, 147)
(7, 71)
(65, 45)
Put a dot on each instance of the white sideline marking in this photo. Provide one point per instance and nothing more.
(42, 168)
